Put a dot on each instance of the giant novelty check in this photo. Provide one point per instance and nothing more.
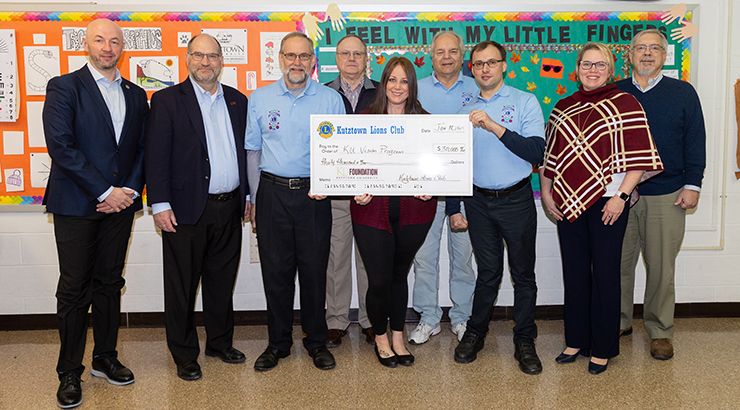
(391, 155)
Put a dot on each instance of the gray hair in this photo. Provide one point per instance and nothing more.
(637, 36)
(459, 38)
(296, 34)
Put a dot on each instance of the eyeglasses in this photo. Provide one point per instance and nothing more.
(493, 63)
(292, 56)
(555, 68)
(199, 56)
(641, 48)
(345, 55)
(601, 66)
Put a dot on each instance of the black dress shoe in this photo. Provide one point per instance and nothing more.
(70, 391)
(228, 355)
(468, 348)
(570, 358)
(322, 358)
(112, 370)
(405, 359)
(189, 371)
(269, 359)
(526, 354)
(369, 335)
(391, 361)
(625, 332)
(594, 368)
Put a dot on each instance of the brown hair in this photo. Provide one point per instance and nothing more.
(484, 45)
(380, 103)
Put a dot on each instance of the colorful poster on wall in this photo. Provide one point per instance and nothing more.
(269, 55)
(154, 73)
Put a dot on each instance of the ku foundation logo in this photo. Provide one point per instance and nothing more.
(326, 129)
(466, 98)
(507, 114)
(274, 119)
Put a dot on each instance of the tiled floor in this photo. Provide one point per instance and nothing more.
(704, 374)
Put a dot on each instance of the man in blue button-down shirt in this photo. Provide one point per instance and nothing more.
(293, 226)
(197, 185)
(445, 92)
(507, 139)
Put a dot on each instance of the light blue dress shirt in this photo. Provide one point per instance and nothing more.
(116, 103)
(219, 141)
(279, 123)
(435, 98)
(494, 166)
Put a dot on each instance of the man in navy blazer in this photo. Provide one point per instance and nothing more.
(197, 186)
(93, 123)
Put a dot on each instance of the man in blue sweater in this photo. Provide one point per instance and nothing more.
(657, 221)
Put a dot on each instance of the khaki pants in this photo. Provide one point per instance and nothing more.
(656, 227)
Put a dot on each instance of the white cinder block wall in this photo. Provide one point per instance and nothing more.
(28, 261)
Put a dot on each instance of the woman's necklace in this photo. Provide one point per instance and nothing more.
(581, 137)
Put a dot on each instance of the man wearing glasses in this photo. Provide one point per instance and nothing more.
(445, 91)
(507, 139)
(357, 91)
(293, 225)
(196, 175)
(657, 221)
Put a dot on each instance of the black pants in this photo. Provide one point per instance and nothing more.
(92, 252)
(206, 252)
(387, 257)
(293, 232)
(493, 221)
(591, 253)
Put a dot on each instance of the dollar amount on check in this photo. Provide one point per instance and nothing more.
(391, 155)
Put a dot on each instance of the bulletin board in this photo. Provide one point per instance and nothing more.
(47, 44)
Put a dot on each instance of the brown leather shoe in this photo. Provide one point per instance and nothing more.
(369, 335)
(334, 338)
(661, 349)
(625, 332)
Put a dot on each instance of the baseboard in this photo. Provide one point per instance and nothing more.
(259, 317)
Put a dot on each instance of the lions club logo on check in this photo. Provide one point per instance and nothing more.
(326, 129)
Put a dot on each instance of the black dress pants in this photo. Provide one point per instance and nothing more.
(92, 252)
(591, 255)
(493, 221)
(293, 232)
(207, 253)
(388, 257)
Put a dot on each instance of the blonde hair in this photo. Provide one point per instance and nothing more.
(605, 52)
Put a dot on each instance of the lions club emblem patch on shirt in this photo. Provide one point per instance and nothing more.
(273, 118)
(507, 114)
(466, 98)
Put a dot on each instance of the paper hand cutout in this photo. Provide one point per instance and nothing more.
(337, 20)
(675, 12)
(311, 24)
(682, 33)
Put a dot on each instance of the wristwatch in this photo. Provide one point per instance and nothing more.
(623, 196)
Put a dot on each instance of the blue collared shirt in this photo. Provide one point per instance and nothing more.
(435, 98)
(116, 103)
(220, 142)
(494, 165)
(279, 124)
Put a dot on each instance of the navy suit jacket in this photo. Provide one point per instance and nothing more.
(177, 163)
(85, 158)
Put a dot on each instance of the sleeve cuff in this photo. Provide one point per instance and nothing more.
(105, 194)
(160, 207)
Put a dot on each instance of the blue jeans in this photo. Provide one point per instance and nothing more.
(426, 270)
(492, 221)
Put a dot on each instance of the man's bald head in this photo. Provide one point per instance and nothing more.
(104, 44)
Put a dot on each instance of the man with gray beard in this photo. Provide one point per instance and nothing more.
(293, 225)
(196, 176)
(657, 221)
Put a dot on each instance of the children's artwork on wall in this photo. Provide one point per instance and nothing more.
(154, 73)
(42, 63)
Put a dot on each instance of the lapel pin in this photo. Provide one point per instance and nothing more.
(233, 103)
(127, 87)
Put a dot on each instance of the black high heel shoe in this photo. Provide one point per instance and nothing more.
(405, 359)
(386, 361)
(570, 358)
(594, 368)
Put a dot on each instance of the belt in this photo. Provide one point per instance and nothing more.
(497, 193)
(224, 197)
(292, 183)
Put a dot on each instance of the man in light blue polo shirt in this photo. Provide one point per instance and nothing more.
(293, 226)
(507, 139)
(445, 92)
